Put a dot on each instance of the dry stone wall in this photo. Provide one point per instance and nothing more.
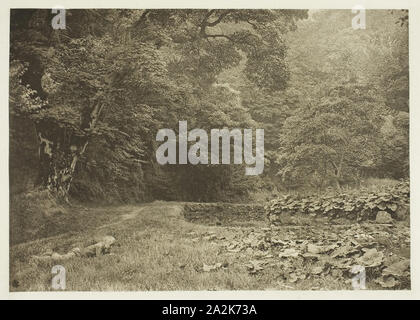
(221, 213)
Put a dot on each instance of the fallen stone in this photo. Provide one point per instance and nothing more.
(97, 249)
(314, 249)
(56, 256)
(76, 251)
(108, 240)
(383, 217)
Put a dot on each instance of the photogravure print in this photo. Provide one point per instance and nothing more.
(209, 149)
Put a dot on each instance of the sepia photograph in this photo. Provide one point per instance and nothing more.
(181, 149)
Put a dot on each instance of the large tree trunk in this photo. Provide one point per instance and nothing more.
(338, 171)
(59, 151)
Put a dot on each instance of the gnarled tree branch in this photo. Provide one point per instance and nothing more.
(205, 23)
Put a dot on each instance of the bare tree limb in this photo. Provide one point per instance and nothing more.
(205, 23)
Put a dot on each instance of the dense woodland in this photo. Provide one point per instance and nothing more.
(86, 102)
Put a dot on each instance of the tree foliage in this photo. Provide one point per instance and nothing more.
(86, 102)
(97, 92)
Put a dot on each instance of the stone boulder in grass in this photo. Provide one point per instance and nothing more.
(383, 217)
(103, 246)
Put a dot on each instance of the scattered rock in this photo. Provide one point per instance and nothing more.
(383, 217)
(76, 251)
(101, 247)
(316, 249)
